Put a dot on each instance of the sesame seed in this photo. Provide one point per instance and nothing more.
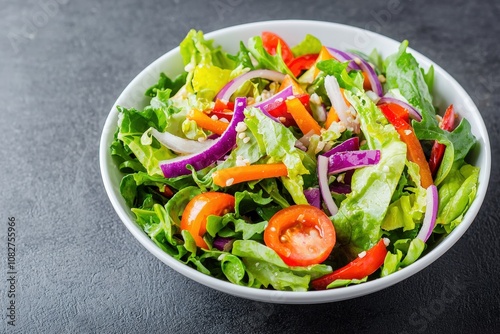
(282, 119)
(381, 78)
(386, 241)
(240, 104)
(300, 217)
(223, 120)
(221, 257)
(408, 132)
(291, 97)
(242, 135)
(357, 61)
(202, 139)
(279, 100)
(229, 182)
(214, 117)
(363, 142)
(257, 264)
(386, 169)
(240, 163)
(362, 254)
(246, 139)
(272, 229)
(241, 127)
(283, 238)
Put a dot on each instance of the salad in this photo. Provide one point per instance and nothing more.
(296, 168)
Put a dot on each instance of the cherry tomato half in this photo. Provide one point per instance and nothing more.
(302, 235)
(194, 218)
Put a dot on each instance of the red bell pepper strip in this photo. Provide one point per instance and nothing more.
(437, 152)
(299, 64)
(397, 109)
(414, 150)
(356, 269)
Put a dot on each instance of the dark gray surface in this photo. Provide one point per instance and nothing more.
(80, 270)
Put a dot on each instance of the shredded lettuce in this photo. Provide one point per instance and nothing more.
(386, 199)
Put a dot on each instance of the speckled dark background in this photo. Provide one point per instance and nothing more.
(80, 271)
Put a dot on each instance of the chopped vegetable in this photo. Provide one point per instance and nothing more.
(364, 265)
(194, 218)
(302, 235)
(234, 175)
(304, 120)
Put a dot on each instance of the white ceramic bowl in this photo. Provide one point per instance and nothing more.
(447, 91)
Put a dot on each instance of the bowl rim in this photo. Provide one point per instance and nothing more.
(291, 297)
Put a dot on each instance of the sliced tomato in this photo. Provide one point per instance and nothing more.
(357, 269)
(194, 218)
(270, 42)
(397, 110)
(302, 235)
(302, 63)
(437, 152)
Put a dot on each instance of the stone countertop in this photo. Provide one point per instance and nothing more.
(63, 63)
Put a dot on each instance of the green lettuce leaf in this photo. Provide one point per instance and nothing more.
(309, 45)
(345, 282)
(208, 67)
(131, 126)
(164, 82)
(347, 80)
(265, 268)
(409, 208)
(456, 194)
(399, 259)
(242, 229)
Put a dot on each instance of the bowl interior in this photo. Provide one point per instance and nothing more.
(447, 91)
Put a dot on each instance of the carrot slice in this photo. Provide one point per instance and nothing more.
(304, 120)
(235, 175)
(206, 122)
(289, 81)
